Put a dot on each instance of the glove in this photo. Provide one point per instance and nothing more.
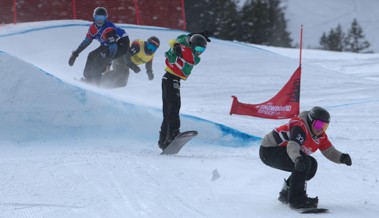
(135, 68)
(346, 159)
(207, 34)
(73, 57)
(178, 50)
(150, 75)
(299, 164)
(107, 68)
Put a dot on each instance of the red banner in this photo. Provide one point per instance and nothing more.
(283, 105)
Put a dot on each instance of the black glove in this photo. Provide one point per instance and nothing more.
(205, 33)
(299, 164)
(150, 75)
(73, 57)
(178, 50)
(135, 68)
(107, 68)
(346, 159)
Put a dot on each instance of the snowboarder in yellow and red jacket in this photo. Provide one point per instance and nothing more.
(140, 52)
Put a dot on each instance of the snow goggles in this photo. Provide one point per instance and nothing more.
(100, 17)
(199, 49)
(320, 125)
(151, 47)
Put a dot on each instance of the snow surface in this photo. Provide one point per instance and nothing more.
(73, 150)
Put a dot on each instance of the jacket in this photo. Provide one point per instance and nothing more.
(296, 136)
(181, 66)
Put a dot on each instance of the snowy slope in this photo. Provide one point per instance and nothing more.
(71, 150)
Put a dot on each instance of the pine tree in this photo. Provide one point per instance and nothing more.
(263, 22)
(220, 17)
(279, 35)
(253, 26)
(226, 18)
(334, 40)
(355, 40)
(337, 40)
(324, 42)
(259, 21)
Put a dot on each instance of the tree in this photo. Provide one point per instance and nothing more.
(263, 22)
(334, 41)
(324, 42)
(259, 21)
(226, 18)
(355, 40)
(279, 35)
(220, 17)
(337, 40)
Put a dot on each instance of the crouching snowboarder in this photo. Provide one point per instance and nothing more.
(288, 148)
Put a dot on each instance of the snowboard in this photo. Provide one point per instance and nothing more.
(312, 210)
(180, 140)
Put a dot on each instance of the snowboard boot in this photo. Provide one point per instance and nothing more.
(283, 194)
(161, 141)
(170, 138)
(305, 202)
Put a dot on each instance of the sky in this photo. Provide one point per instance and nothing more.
(74, 150)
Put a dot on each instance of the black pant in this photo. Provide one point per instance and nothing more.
(97, 58)
(171, 105)
(118, 77)
(277, 157)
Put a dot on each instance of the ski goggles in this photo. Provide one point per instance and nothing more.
(199, 49)
(100, 17)
(320, 125)
(152, 47)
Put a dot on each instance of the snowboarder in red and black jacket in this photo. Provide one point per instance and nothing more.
(114, 43)
(288, 148)
(182, 56)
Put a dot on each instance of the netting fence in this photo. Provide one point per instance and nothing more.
(162, 13)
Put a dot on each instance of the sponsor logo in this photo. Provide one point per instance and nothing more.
(273, 109)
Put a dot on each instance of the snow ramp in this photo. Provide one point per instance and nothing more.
(39, 106)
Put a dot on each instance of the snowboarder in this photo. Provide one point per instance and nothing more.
(288, 148)
(140, 52)
(182, 56)
(114, 43)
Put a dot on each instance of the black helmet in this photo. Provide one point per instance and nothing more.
(197, 40)
(318, 113)
(154, 40)
(98, 15)
(100, 11)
